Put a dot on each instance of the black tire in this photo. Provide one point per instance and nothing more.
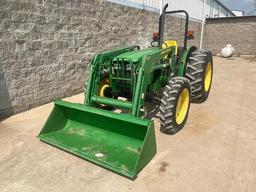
(87, 73)
(196, 73)
(169, 103)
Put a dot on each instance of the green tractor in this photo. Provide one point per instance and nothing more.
(123, 79)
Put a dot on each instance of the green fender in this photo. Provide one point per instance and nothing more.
(182, 63)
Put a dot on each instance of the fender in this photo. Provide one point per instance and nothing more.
(182, 63)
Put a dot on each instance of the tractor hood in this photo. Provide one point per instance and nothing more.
(136, 55)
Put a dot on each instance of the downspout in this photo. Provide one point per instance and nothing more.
(202, 27)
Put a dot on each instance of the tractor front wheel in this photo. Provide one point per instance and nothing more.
(175, 105)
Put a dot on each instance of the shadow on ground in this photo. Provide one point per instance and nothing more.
(6, 109)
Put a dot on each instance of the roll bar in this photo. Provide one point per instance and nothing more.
(162, 23)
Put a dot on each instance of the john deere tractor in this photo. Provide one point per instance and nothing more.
(123, 79)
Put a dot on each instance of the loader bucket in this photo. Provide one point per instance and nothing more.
(119, 142)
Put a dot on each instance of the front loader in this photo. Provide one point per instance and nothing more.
(123, 79)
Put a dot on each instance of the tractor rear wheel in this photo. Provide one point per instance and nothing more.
(199, 71)
(175, 105)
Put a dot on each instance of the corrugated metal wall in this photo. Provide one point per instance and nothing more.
(149, 3)
(194, 7)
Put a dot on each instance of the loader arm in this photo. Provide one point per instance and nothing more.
(159, 60)
(141, 81)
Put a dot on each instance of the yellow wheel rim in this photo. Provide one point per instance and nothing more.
(103, 89)
(208, 77)
(182, 106)
(103, 86)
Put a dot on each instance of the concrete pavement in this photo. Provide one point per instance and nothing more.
(215, 152)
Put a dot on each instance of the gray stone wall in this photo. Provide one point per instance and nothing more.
(238, 31)
(45, 45)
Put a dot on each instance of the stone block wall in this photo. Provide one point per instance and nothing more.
(238, 31)
(45, 45)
